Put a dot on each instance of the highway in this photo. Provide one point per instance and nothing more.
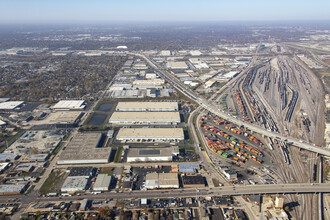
(239, 190)
(233, 119)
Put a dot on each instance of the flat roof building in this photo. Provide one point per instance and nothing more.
(176, 65)
(11, 105)
(188, 167)
(8, 157)
(150, 134)
(63, 117)
(102, 182)
(70, 105)
(10, 189)
(84, 149)
(149, 82)
(145, 118)
(86, 172)
(147, 106)
(36, 157)
(151, 154)
(162, 180)
(42, 141)
(193, 181)
(74, 184)
(168, 180)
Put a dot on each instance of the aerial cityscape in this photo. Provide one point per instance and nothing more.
(135, 116)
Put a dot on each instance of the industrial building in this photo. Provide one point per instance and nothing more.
(150, 134)
(176, 65)
(147, 106)
(229, 174)
(70, 105)
(86, 172)
(74, 184)
(84, 149)
(149, 82)
(151, 154)
(151, 75)
(11, 189)
(148, 118)
(102, 182)
(193, 181)
(42, 141)
(77, 179)
(8, 157)
(36, 157)
(162, 180)
(63, 117)
(188, 167)
(11, 105)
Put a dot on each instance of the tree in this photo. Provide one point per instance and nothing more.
(104, 212)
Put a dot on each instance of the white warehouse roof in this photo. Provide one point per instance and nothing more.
(147, 106)
(10, 105)
(150, 133)
(151, 154)
(177, 65)
(70, 104)
(102, 182)
(144, 117)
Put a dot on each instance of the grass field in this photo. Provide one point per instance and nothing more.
(51, 182)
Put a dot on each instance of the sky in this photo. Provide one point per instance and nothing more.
(80, 11)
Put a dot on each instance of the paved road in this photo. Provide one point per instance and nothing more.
(218, 191)
(210, 107)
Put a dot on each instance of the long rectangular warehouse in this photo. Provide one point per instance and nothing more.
(150, 134)
(151, 154)
(147, 106)
(145, 118)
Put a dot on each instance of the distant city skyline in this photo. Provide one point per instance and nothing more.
(80, 11)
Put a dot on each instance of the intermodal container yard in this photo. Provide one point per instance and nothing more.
(229, 141)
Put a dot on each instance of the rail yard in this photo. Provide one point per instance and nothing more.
(282, 95)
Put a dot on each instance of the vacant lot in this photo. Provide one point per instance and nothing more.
(52, 181)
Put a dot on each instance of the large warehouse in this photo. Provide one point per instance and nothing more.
(84, 149)
(176, 65)
(151, 154)
(147, 106)
(11, 105)
(150, 134)
(145, 118)
(70, 105)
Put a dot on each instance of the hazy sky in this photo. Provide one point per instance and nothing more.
(60, 11)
